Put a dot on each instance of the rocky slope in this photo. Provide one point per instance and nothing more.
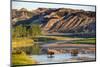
(61, 20)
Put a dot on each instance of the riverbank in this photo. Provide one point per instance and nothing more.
(22, 59)
(21, 42)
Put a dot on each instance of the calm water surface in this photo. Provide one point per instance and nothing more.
(57, 58)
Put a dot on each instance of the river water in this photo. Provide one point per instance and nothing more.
(59, 58)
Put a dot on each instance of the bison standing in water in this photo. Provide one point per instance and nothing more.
(74, 52)
(50, 54)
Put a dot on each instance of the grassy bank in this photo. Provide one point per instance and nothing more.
(21, 46)
(21, 42)
(22, 59)
(85, 41)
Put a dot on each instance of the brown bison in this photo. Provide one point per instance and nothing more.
(74, 52)
(50, 54)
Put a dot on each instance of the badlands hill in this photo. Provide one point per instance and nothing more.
(62, 20)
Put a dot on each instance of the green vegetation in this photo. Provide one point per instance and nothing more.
(85, 41)
(35, 30)
(22, 59)
(22, 35)
(19, 31)
(36, 49)
(23, 39)
(24, 31)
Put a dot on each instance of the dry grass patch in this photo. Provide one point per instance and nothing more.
(21, 42)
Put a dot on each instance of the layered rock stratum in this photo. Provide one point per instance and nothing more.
(62, 20)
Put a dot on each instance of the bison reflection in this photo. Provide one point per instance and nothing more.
(50, 54)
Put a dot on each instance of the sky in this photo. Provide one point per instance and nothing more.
(34, 5)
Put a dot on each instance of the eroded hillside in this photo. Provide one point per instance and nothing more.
(63, 20)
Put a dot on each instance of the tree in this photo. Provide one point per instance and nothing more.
(13, 33)
(36, 30)
(19, 31)
(23, 31)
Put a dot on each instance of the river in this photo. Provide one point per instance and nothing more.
(60, 58)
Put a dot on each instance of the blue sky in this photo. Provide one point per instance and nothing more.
(32, 6)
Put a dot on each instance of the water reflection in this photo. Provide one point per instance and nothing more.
(58, 58)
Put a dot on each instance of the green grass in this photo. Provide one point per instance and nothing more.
(22, 59)
(85, 41)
